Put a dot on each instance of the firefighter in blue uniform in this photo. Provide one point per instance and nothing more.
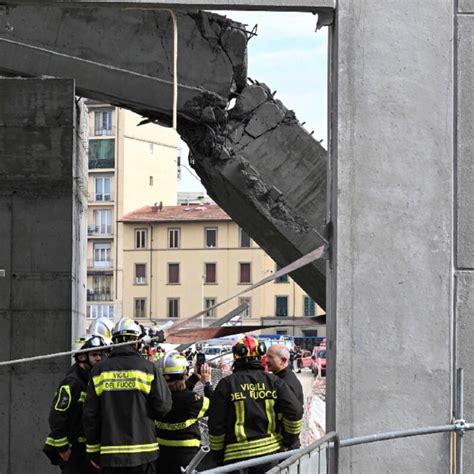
(65, 444)
(245, 408)
(124, 397)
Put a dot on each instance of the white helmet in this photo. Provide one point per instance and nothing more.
(102, 327)
(172, 363)
(126, 329)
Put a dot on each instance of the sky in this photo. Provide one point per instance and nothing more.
(291, 58)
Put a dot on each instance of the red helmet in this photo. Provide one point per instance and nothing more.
(248, 347)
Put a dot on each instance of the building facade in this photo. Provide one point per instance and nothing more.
(128, 165)
(178, 260)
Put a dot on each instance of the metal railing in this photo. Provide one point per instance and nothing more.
(100, 264)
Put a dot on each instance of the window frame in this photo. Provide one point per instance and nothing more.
(304, 306)
(172, 230)
(206, 230)
(101, 131)
(277, 297)
(97, 217)
(138, 230)
(282, 279)
(168, 273)
(248, 313)
(103, 193)
(206, 282)
(240, 273)
(241, 232)
(135, 277)
(135, 314)
(168, 307)
(211, 313)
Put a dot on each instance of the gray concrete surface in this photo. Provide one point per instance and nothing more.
(392, 191)
(42, 212)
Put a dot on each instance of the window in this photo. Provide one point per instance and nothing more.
(282, 332)
(282, 279)
(174, 238)
(140, 274)
(210, 273)
(208, 302)
(102, 153)
(173, 307)
(210, 237)
(103, 222)
(139, 307)
(101, 288)
(95, 311)
(152, 148)
(281, 306)
(173, 273)
(248, 312)
(245, 273)
(244, 239)
(103, 189)
(150, 181)
(309, 307)
(140, 238)
(102, 255)
(103, 122)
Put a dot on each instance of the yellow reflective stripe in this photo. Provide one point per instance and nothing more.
(239, 429)
(133, 448)
(269, 404)
(256, 443)
(216, 443)
(67, 389)
(81, 439)
(175, 426)
(179, 443)
(123, 380)
(82, 397)
(292, 427)
(57, 442)
(92, 448)
(205, 406)
(249, 452)
(293, 423)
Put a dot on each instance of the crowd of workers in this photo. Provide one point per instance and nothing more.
(117, 412)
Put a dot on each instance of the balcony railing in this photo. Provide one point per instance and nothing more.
(101, 163)
(99, 229)
(100, 264)
(99, 295)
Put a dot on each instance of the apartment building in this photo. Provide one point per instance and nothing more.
(178, 260)
(128, 166)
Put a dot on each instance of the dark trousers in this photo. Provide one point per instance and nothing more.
(171, 459)
(77, 464)
(149, 468)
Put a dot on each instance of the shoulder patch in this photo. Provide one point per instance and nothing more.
(197, 397)
(63, 399)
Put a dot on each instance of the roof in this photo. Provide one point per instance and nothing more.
(188, 213)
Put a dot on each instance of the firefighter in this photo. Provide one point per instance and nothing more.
(65, 445)
(102, 327)
(125, 395)
(245, 407)
(178, 432)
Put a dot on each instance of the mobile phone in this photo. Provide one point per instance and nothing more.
(200, 360)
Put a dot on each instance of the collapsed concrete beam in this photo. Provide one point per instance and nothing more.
(269, 174)
(256, 160)
(125, 56)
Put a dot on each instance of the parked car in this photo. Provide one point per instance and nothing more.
(306, 358)
(215, 351)
(318, 361)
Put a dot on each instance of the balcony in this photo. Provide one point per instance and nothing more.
(101, 163)
(103, 294)
(99, 230)
(101, 153)
(100, 264)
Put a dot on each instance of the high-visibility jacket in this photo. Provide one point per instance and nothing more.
(65, 415)
(244, 410)
(124, 397)
(179, 428)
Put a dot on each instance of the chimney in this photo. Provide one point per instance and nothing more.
(154, 208)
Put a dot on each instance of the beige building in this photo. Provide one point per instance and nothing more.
(128, 165)
(178, 260)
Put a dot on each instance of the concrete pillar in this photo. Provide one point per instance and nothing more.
(392, 207)
(43, 176)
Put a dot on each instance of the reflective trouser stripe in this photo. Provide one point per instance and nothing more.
(253, 448)
(57, 442)
(81, 439)
(179, 443)
(92, 448)
(133, 448)
(239, 429)
(216, 442)
(269, 404)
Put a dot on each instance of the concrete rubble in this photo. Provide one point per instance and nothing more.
(255, 159)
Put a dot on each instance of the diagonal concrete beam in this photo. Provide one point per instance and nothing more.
(256, 160)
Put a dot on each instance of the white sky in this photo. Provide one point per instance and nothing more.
(291, 58)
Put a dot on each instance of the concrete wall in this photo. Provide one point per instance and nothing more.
(392, 208)
(42, 238)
